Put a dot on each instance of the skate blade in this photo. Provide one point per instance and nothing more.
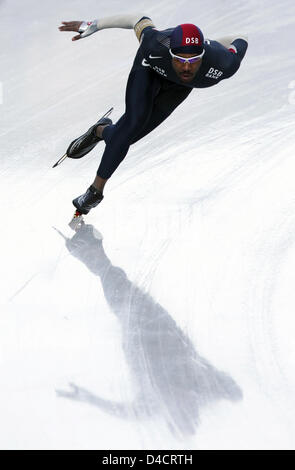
(60, 160)
(66, 155)
(77, 221)
(107, 113)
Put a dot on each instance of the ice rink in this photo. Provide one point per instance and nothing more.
(167, 320)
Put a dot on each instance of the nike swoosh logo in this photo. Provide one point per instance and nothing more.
(145, 63)
(155, 57)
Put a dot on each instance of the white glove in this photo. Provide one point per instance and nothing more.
(87, 28)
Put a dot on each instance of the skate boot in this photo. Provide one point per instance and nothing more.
(86, 142)
(88, 200)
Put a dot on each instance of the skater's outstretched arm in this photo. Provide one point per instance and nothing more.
(232, 53)
(136, 21)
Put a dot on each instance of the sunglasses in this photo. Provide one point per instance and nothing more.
(190, 60)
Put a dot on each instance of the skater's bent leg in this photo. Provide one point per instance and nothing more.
(170, 96)
(142, 87)
(167, 100)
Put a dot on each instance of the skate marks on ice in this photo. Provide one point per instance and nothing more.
(170, 378)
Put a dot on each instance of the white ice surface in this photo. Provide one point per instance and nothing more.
(178, 331)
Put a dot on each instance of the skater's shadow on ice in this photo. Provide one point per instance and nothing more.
(171, 379)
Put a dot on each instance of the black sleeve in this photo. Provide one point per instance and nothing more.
(147, 39)
(235, 54)
(239, 47)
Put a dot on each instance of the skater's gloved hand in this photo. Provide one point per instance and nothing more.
(84, 29)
